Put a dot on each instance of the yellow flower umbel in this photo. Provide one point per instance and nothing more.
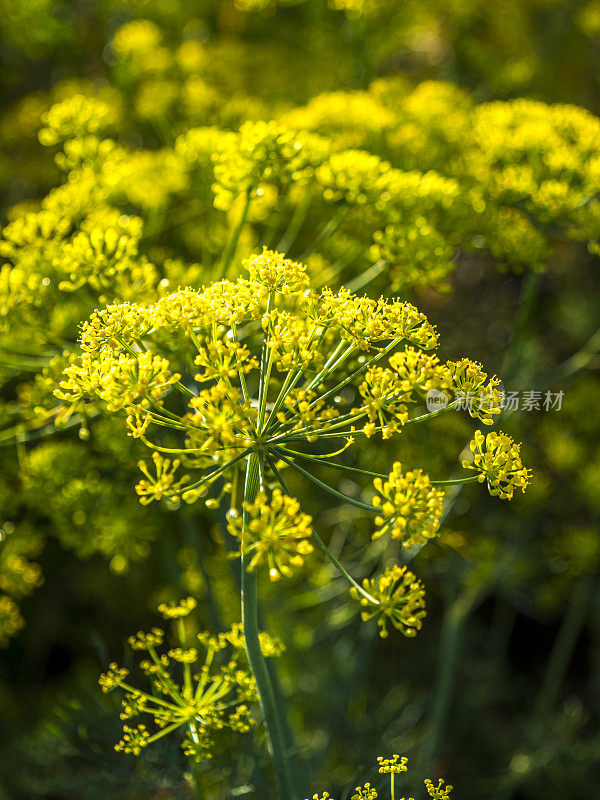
(278, 534)
(396, 597)
(498, 460)
(155, 487)
(243, 379)
(366, 792)
(211, 692)
(439, 792)
(410, 507)
(393, 766)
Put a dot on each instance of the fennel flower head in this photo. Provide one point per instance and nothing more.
(266, 371)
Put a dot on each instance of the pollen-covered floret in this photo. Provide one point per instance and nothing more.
(177, 610)
(387, 390)
(276, 533)
(396, 597)
(417, 255)
(365, 792)
(410, 507)
(76, 116)
(396, 764)
(264, 152)
(276, 273)
(439, 791)
(163, 484)
(497, 458)
(113, 678)
(134, 740)
(467, 380)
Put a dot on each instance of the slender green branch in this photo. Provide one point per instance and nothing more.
(367, 276)
(340, 495)
(338, 266)
(24, 364)
(564, 644)
(323, 546)
(360, 370)
(368, 472)
(456, 481)
(216, 472)
(432, 414)
(295, 224)
(450, 648)
(286, 388)
(241, 373)
(266, 364)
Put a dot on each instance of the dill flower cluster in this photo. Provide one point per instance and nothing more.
(393, 766)
(278, 533)
(410, 506)
(497, 459)
(235, 383)
(397, 597)
(197, 688)
(511, 172)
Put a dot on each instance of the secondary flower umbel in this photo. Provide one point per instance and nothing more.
(211, 693)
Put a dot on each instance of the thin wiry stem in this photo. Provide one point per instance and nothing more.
(329, 229)
(322, 544)
(368, 472)
(360, 370)
(215, 472)
(367, 276)
(340, 495)
(295, 224)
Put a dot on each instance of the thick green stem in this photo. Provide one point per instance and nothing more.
(272, 713)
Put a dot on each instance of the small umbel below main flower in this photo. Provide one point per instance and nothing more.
(397, 597)
(410, 507)
(498, 460)
(190, 693)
